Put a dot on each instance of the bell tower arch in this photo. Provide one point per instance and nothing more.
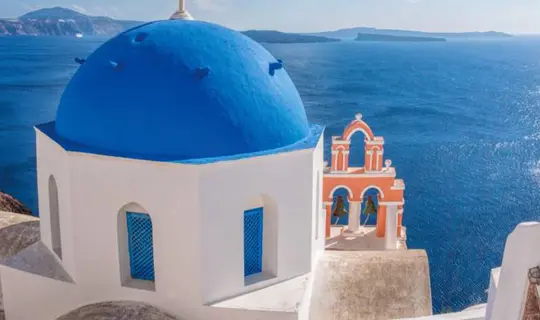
(373, 150)
(377, 175)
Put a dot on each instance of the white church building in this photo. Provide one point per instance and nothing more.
(181, 176)
(181, 172)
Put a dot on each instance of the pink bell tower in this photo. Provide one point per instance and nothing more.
(376, 173)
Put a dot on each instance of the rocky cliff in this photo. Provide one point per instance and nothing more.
(62, 22)
(10, 204)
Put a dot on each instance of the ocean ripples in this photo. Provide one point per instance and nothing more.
(460, 121)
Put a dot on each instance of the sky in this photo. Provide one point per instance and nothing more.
(512, 16)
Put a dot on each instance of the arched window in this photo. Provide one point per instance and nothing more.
(136, 246)
(54, 216)
(140, 245)
(260, 239)
(253, 241)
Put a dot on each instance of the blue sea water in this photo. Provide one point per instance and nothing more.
(461, 121)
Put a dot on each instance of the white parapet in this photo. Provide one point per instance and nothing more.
(508, 284)
(521, 253)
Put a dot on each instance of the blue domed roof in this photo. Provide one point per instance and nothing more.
(181, 89)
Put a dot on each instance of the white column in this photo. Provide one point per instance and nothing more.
(181, 6)
(390, 237)
(354, 216)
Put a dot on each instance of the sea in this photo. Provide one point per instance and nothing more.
(461, 122)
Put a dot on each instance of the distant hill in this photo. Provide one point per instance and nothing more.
(353, 32)
(66, 22)
(389, 38)
(62, 22)
(270, 36)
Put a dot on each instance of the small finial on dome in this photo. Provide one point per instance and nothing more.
(388, 163)
(275, 66)
(201, 72)
(358, 116)
(181, 13)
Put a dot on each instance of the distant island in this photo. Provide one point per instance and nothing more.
(390, 38)
(66, 22)
(352, 33)
(62, 22)
(270, 36)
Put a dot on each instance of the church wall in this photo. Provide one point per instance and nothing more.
(100, 188)
(319, 211)
(197, 216)
(285, 182)
(50, 299)
(53, 160)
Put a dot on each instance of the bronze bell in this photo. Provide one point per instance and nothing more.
(339, 209)
(370, 206)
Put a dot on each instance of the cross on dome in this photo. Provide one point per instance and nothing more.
(181, 13)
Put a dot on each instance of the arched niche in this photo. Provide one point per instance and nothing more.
(54, 216)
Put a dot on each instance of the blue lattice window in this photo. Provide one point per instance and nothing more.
(140, 246)
(253, 241)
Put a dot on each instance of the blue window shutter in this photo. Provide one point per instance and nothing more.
(140, 246)
(253, 241)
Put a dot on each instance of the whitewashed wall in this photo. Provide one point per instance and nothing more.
(319, 211)
(100, 188)
(49, 299)
(53, 160)
(508, 284)
(284, 184)
(197, 215)
(492, 290)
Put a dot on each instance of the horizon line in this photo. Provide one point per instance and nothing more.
(296, 32)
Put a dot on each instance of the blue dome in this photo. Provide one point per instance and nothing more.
(181, 89)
